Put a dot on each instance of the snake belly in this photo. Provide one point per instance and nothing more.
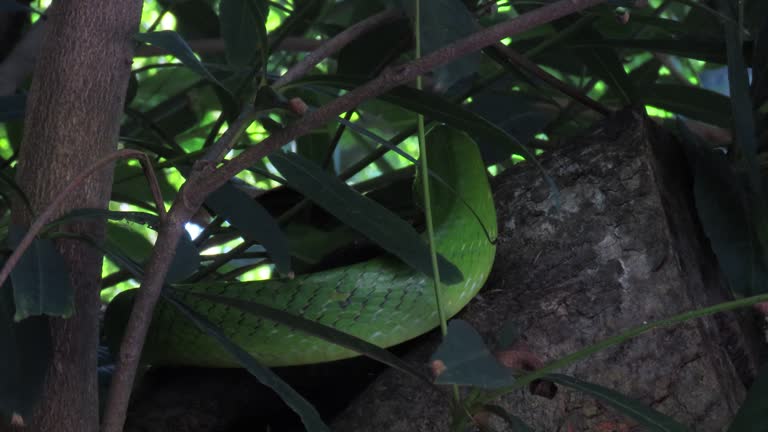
(383, 300)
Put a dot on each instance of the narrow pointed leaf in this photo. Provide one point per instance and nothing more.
(242, 25)
(176, 46)
(692, 102)
(361, 213)
(40, 279)
(653, 420)
(254, 221)
(309, 416)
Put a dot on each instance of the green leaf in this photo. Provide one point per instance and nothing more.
(327, 333)
(752, 414)
(467, 361)
(692, 102)
(361, 213)
(438, 109)
(40, 279)
(242, 25)
(134, 244)
(605, 64)
(517, 114)
(185, 261)
(174, 44)
(24, 358)
(652, 420)
(443, 22)
(309, 416)
(253, 220)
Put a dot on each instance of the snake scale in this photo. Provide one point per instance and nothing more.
(383, 300)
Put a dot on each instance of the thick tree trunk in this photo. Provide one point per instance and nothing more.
(72, 120)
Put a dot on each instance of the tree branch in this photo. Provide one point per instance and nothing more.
(336, 43)
(75, 185)
(388, 80)
(202, 182)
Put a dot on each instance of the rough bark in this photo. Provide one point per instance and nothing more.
(623, 249)
(73, 115)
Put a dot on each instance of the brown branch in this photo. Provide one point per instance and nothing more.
(202, 182)
(73, 186)
(388, 80)
(336, 43)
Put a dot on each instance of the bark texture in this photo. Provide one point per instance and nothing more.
(73, 116)
(624, 248)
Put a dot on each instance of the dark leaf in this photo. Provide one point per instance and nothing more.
(304, 409)
(242, 25)
(465, 360)
(719, 197)
(752, 414)
(256, 224)
(40, 279)
(359, 212)
(174, 44)
(439, 109)
(24, 359)
(443, 22)
(692, 102)
(741, 103)
(185, 261)
(651, 419)
(12, 107)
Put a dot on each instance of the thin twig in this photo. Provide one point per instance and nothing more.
(73, 186)
(524, 63)
(336, 43)
(388, 80)
(203, 181)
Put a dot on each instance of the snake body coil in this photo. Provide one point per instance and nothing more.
(383, 300)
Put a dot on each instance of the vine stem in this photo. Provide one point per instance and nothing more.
(424, 165)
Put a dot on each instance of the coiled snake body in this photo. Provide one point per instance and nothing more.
(383, 300)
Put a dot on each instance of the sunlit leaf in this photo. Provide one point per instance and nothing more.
(185, 261)
(692, 102)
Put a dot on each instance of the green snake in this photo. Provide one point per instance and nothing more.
(383, 300)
